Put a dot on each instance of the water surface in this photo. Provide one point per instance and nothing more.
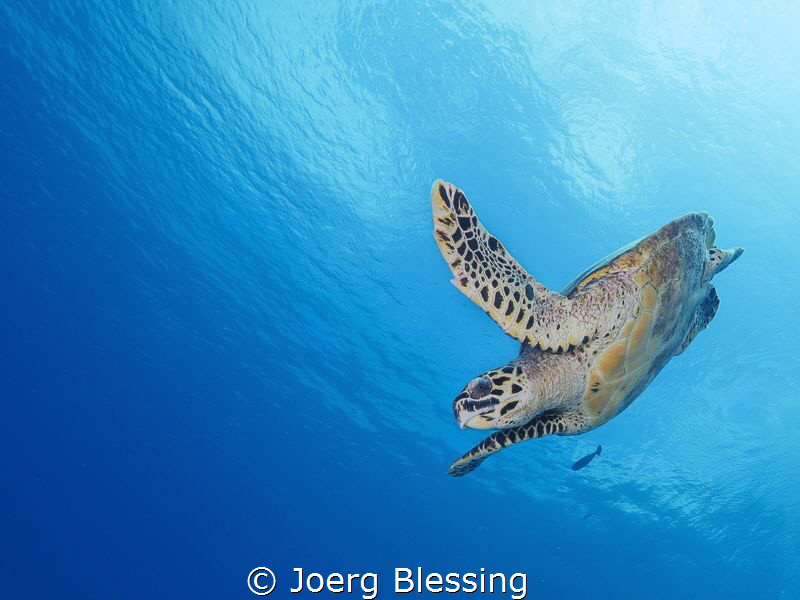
(230, 341)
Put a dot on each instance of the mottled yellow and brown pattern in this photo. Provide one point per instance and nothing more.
(588, 352)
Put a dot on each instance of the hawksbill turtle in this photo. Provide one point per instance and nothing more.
(589, 351)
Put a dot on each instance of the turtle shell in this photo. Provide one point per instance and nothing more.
(667, 269)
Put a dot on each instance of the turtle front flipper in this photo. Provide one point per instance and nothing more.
(548, 423)
(489, 276)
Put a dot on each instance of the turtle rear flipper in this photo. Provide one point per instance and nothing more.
(489, 276)
(719, 259)
(702, 317)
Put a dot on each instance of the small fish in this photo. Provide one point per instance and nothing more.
(587, 515)
(587, 459)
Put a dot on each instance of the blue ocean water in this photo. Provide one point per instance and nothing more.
(229, 340)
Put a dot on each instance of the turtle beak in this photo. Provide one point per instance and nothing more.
(484, 417)
(477, 422)
(470, 416)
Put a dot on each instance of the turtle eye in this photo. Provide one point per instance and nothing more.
(479, 387)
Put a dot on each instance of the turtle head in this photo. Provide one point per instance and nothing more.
(495, 400)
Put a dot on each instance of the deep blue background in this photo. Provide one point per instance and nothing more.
(229, 341)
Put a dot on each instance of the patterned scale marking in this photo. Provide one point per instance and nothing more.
(549, 423)
(489, 276)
